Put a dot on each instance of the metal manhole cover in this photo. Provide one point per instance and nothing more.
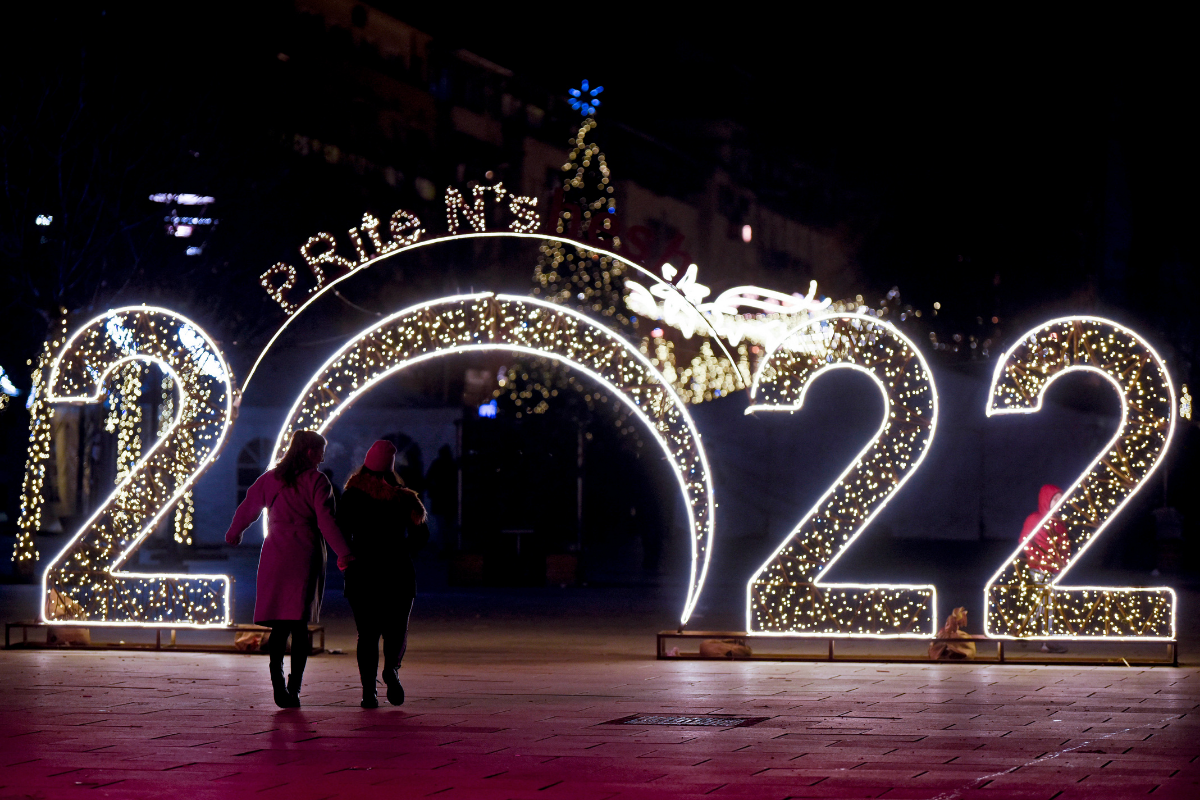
(702, 720)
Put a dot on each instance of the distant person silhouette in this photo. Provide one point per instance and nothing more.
(441, 484)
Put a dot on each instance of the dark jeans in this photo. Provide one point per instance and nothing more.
(373, 619)
(301, 643)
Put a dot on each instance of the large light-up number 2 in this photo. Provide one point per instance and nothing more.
(82, 583)
(1020, 603)
(786, 595)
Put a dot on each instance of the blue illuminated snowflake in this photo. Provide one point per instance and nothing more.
(584, 99)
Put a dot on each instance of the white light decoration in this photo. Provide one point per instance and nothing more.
(43, 220)
(787, 595)
(7, 390)
(33, 498)
(85, 582)
(279, 291)
(125, 416)
(743, 313)
(184, 199)
(535, 327)
(1018, 605)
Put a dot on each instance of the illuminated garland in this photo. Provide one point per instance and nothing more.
(787, 596)
(83, 582)
(1018, 605)
(584, 279)
(185, 510)
(34, 482)
(576, 277)
(295, 309)
(707, 377)
(125, 417)
(533, 327)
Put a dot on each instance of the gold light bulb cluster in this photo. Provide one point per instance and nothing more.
(40, 437)
(84, 582)
(534, 328)
(787, 594)
(1020, 603)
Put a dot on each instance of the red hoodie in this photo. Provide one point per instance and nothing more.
(1049, 549)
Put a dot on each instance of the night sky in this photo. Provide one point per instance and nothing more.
(1012, 164)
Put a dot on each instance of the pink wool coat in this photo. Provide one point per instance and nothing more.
(291, 568)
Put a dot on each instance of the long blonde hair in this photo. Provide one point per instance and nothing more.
(296, 459)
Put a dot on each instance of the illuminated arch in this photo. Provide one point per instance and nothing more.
(475, 322)
(684, 302)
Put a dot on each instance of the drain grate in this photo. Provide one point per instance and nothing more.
(700, 721)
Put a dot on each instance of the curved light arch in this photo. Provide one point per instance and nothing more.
(1015, 606)
(478, 322)
(787, 595)
(320, 292)
(87, 572)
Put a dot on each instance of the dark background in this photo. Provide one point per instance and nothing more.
(1006, 165)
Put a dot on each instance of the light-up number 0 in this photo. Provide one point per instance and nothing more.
(787, 595)
(82, 583)
(1020, 602)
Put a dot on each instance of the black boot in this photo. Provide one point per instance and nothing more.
(282, 698)
(395, 692)
(367, 677)
(293, 690)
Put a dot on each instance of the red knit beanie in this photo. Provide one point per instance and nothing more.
(381, 457)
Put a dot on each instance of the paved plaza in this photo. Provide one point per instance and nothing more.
(516, 705)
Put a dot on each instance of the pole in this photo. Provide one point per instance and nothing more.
(579, 488)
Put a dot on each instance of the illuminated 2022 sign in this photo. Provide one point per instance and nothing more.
(86, 582)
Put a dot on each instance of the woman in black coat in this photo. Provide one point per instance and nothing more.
(386, 524)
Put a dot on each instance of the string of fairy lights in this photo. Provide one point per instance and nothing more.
(185, 509)
(125, 416)
(84, 582)
(577, 277)
(574, 276)
(650, 383)
(1020, 602)
(786, 595)
(33, 485)
(536, 328)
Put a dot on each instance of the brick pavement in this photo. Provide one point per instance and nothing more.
(518, 713)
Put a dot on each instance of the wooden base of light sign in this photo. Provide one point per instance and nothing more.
(893, 650)
(172, 644)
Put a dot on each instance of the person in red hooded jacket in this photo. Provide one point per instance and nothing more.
(1047, 546)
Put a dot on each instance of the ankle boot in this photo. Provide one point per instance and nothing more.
(282, 698)
(293, 690)
(395, 692)
(370, 696)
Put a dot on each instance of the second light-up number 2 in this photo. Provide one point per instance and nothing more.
(787, 595)
(1023, 602)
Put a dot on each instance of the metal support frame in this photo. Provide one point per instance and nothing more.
(316, 632)
(1001, 657)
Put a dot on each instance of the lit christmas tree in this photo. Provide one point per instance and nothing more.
(574, 276)
(579, 278)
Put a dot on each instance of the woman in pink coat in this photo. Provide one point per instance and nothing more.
(291, 568)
